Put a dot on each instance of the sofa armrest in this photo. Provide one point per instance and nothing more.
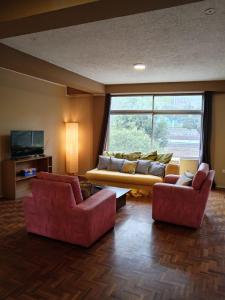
(171, 178)
(172, 168)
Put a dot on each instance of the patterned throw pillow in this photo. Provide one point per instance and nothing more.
(185, 179)
(115, 164)
(103, 162)
(143, 166)
(164, 158)
(129, 167)
(157, 169)
(132, 156)
(113, 154)
(149, 156)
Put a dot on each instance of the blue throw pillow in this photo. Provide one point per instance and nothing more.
(115, 164)
(157, 169)
(143, 166)
(103, 162)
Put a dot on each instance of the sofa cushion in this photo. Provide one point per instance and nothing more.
(103, 162)
(143, 166)
(110, 176)
(149, 156)
(115, 164)
(73, 180)
(129, 166)
(164, 158)
(157, 169)
(200, 176)
(132, 156)
(113, 154)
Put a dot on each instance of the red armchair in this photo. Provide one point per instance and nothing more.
(56, 210)
(182, 205)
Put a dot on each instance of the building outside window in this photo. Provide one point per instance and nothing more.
(166, 123)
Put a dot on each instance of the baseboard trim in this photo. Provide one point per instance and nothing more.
(220, 187)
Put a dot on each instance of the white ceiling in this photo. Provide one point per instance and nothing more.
(176, 44)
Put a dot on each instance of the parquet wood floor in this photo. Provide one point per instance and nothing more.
(139, 259)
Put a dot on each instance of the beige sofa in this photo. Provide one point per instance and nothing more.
(133, 181)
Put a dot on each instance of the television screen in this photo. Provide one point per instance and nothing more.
(26, 142)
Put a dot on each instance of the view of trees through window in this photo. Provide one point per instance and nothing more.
(170, 123)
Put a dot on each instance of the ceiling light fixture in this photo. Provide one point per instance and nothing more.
(139, 67)
(209, 11)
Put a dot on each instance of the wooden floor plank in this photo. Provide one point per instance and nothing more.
(139, 259)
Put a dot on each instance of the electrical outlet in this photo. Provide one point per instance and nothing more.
(223, 171)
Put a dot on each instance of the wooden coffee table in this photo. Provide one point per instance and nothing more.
(120, 194)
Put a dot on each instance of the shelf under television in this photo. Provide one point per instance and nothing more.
(20, 178)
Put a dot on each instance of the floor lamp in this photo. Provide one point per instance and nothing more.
(72, 148)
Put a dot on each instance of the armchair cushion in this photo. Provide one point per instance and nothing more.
(73, 180)
(200, 176)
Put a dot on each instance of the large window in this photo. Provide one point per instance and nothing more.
(168, 123)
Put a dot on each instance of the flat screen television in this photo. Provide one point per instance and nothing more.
(25, 143)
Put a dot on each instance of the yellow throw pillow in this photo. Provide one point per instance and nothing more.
(129, 167)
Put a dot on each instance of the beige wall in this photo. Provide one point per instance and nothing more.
(81, 108)
(28, 103)
(218, 138)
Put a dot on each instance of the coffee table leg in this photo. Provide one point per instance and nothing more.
(120, 202)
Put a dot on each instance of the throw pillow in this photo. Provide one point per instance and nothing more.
(132, 155)
(129, 167)
(185, 179)
(164, 158)
(113, 154)
(149, 156)
(115, 164)
(157, 169)
(143, 166)
(103, 162)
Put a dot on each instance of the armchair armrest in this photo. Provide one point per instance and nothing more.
(171, 178)
(98, 200)
(95, 215)
(172, 191)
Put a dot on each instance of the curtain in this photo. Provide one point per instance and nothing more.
(105, 123)
(207, 129)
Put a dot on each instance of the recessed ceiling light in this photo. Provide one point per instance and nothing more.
(209, 11)
(139, 67)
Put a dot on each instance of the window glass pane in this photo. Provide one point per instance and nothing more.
(181, 102)
(128, 133)
(131, 103)
(179, 134)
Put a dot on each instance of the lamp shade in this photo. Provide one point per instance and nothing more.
(72, 147)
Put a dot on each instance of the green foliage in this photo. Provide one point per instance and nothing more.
(134, 133)
(128, 140)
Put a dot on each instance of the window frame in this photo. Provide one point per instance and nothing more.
(154, 112)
